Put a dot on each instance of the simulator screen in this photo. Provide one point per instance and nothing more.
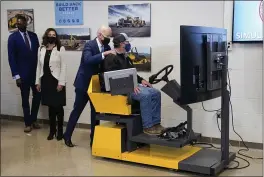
(247, 21)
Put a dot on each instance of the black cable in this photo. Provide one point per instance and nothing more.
(217, 122)
(239, 151)
(237, 167)
(227, 168)
(209, 144)
(255, 158)
(229, 83)
(231, 107)
(210, 110)
(217, 116)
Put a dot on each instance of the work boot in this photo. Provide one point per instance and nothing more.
(151, 131)
(159, 127)
(60, 127)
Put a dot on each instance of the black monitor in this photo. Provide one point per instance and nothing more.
(202, 53)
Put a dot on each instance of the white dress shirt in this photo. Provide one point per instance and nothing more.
(100, 46)
(22, 34)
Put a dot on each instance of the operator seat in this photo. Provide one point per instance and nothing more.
(134, 103)
(105, 102)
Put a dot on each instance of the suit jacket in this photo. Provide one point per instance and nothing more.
(22, 60)
(57, 64)
(90, 64)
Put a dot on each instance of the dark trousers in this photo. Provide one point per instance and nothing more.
(56, 112)
(30, 116)
(81, 99)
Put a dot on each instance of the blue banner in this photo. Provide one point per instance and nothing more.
(68, 12)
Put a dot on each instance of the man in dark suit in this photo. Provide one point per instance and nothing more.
(93, 54)
(23, 57)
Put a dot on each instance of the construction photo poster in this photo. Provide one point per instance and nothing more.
(73, 39)
(141, 58)
(132, 19)
(12, 19)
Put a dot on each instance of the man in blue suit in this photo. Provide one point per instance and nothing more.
(93, 54)
(23, 57)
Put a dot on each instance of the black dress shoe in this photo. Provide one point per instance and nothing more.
(59, 137)
(51, 136)
(68, 142)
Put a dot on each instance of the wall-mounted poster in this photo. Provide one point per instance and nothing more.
(73, 39)
(68, 12)
(12, 18)
(132, 19)
(141, 57)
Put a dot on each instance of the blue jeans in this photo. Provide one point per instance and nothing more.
(150, 105)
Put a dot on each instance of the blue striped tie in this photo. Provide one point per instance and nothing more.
(26, 40)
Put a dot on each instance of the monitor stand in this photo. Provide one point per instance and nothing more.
(173, 90)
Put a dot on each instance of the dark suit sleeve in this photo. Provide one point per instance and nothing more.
(88, 57)
(12, 56)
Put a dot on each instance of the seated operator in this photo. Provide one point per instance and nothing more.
(149, 98)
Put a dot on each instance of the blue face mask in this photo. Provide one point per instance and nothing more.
(128, 47)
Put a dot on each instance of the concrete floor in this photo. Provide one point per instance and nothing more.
(31, 154)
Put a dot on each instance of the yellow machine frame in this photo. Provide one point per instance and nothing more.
(110, 147)
(109, 138)
(105, 102)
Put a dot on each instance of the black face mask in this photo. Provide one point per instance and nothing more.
(106, 41)
(51, 40)
(21, 27)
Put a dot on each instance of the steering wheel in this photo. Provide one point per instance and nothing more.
(154, 78)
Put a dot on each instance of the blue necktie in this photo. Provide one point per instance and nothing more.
(26, 40)
(102, 48)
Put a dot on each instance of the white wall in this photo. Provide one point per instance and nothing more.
(245, 61)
